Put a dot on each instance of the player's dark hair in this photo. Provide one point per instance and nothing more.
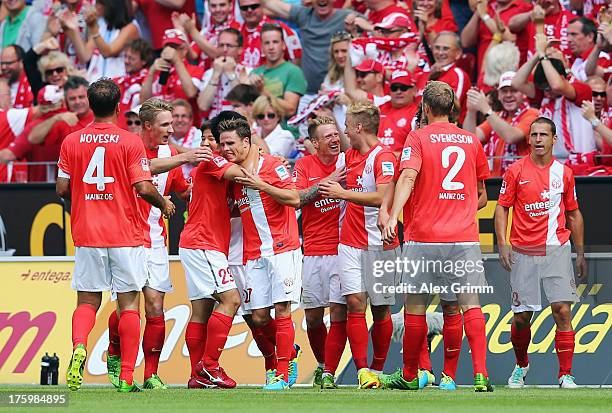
(75, 82)
(550, 123)
(272, 27)
(224, 115)
(104, 96)
(235, 32)
(243, 94)
(206, 125)
(240, 126)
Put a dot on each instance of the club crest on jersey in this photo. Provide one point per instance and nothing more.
(219, 161)
(144, 163)
(282, 172)
(368, 169)
(402, 122)
(406, 153)
(388, 169)
(555, 184)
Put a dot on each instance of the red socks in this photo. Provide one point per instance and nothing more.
(113, 335)
(475, 331)
(83, 320)
(265, 337)
(357, 332)
(452, 332)
(381, 340)
(316, 338)
(564, 344)
(415, 331)
(152, 343)
(334, 345)
(129, 333)
(195, 338)
(285, 336)
(219, 326)
(424, 359)
(520, 341)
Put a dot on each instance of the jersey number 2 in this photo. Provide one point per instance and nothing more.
(447, 183)
(96, 166)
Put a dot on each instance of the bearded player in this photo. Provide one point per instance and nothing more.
(99, 168)
(542, 192)
(440, 189)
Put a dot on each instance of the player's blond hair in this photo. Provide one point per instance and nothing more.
(151, 108)
(439, 97)
(366, 113)
(313, 125)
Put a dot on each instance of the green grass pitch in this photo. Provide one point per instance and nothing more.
(346, 399)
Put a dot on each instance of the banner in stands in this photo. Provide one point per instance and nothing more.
(37, 305)
(34, 222)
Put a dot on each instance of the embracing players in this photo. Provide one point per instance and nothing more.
(542, 192)
(440, 188)
(99, 168)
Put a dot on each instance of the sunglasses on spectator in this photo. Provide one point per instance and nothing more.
(250, 7)
(55, 70)
(262, 116)
(398, 86)
(600, 94)
(341, 36)
(133, 122)
(362, 74)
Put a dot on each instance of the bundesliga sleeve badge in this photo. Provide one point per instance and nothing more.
(282, 172)
(387, 169)
(406, 152)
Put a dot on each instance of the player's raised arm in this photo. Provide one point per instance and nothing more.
(161, 165)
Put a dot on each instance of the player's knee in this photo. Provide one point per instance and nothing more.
(380, 312)
(450, 307)
(154, 307)
(337, 312)
(355, 303)
(314, 320)
(232, 300)
(561, 313)
(260, 319)
(522, 320)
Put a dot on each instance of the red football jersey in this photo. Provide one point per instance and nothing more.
(208, 223)
(444, 201)
(364, 172)
(130, 85)
(395, 125)
(540, 197)
(269, 228)
(103, 162)
(321, 218)
(171, 181)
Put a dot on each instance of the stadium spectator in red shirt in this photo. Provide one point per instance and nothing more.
(365, 81)
(542, 192)
(102, 180)
(159, 16)
(433, 18)
(504, 134)
(11, 68)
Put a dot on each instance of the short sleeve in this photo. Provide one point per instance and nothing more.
(507, 192)
(296, 82)
(385, 167)
(298, 14)
(569, 196)
(177, 181)
(583, 93)
(486, 129)
(300, 178)
(279, 176)
(215, 167)
(64, 161)
(138, 163)
(412, 155)
(482, 165)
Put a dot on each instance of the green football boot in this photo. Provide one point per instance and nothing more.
(154, 383)
(74, 375)
(124, 387)
(318, 377)
(481, 383)
(113, 365)
(328, 382)
(397, 381)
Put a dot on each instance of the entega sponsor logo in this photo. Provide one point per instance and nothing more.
(450, 138)
(99, 138)
(534, 206)
(326, 201)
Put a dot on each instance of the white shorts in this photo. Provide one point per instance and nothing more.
(239, 274)
(120, 270)
(447, 266)
(206, 272)
(159, 269)
(356, 267)
(275, 279)
(321, 281)
(556, 273)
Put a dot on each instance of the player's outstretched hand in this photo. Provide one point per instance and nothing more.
(250, 180)
(506, 258)
(168, 210)
(200, 154)
(581, 266)
(383, 218)
(339, 175)
(388, 231)
(331, 189)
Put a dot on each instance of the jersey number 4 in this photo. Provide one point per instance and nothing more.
(447, 183)
(95, 170)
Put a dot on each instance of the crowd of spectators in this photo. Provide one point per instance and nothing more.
(282, 62)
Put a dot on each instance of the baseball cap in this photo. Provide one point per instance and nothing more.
(402, 77)
(50, 95)
(394, 20)
(506, 79)
(174, 36)
(369, 65)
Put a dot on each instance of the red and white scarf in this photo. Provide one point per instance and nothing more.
(547, 109)
(316, 104)
(24, 97)
(363, 47)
